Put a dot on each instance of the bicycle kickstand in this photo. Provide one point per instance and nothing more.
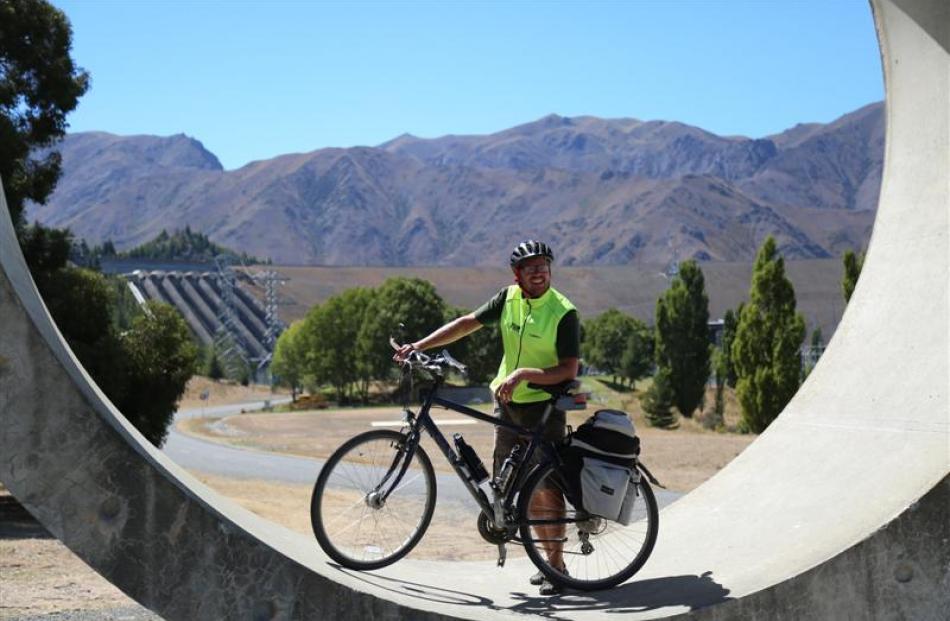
(502, 554)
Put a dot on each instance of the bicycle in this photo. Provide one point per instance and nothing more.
(375, 495)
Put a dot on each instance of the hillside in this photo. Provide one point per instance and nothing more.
(602, 191)
(633, 290)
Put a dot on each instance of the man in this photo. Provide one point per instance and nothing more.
(540, 332)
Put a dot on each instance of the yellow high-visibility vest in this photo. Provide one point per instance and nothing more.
(529, 336)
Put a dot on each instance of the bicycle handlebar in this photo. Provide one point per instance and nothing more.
(434, 364)
(440, 362)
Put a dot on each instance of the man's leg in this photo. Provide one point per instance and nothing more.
(549, 501)
(548, 504)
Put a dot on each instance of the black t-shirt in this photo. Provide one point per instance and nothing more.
(568, 329)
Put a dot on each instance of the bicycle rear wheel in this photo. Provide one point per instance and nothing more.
(353, 523)
(597, 553)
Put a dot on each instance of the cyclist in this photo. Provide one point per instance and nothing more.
(540, 333)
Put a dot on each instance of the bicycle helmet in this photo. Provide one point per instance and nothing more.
(528, 249)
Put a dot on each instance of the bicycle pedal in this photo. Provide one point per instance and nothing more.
(502, 554)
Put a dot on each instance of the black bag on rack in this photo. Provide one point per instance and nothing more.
(600, 460)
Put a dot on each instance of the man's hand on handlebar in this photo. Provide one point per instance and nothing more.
(403, 351)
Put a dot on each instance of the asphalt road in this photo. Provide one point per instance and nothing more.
(219, 459)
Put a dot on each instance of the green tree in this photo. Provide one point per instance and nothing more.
(716, 418)
(410, 301)
(480, 351)
(483, 354)
(682, 336)
(213, 369)
(852, 270)
(39, 86)
(730, 322)
(638, 353)
(611, 336)
(140, 362)
(81, 303)
(161, 358)
(330, 333)
(766, 349)
(45, 250)
(658, 400)
(288, 363)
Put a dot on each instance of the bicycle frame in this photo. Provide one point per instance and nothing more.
(424, 421)
(531, 505)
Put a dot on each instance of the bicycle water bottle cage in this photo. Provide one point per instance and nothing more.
(476, 469)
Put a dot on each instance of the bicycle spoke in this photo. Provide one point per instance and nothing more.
(383, 530)
(613, 552)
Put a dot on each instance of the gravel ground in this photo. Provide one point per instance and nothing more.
(136, 613)
(41, 579)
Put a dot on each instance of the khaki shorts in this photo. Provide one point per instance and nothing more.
(528, 415)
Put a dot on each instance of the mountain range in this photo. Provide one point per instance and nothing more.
(601, 191)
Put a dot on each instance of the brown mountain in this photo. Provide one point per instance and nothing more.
(603, 191)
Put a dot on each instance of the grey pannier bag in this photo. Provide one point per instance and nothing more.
(600, 460)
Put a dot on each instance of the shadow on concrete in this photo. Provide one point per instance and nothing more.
(16, 522)
(686, 593)
(427, 592)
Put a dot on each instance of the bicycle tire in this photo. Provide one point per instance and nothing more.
(345, 484)
(607, 565)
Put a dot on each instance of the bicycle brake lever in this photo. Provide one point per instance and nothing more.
(452, 362)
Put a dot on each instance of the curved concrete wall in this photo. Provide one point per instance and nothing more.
(837, 511)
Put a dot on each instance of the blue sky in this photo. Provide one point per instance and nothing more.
(252, 80)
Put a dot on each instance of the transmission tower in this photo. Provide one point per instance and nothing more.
(227, 339)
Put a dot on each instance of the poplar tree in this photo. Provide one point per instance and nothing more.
(716, 418)
(766, 351)
(730, 322)
(682, 337)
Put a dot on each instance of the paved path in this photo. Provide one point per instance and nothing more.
(220, 459)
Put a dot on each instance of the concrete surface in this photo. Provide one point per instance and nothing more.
(838, 511)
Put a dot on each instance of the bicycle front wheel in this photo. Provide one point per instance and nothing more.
(576, 550)
(362, 517)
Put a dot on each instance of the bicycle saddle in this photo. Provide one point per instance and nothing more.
(557, 390)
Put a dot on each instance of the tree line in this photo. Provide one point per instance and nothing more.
(180, 245)
(760, 350)
(343, 343)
